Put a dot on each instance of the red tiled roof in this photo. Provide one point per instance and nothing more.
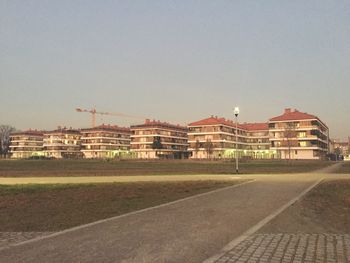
(256, 126)
(290, 115)
(215, 121)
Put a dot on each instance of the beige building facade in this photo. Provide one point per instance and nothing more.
(258, 143)
(299, 135)
(106, 141)
(292, 135)
(26, 144)
(62, 143)
(341, 148)
(159, 140)
(216, 138)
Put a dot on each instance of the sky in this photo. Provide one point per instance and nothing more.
(175, 61)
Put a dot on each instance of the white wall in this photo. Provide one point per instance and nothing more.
(299, 155)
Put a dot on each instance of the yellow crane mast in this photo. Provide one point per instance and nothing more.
(93, 113)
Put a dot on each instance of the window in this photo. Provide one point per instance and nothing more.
(302, 134)
(302, 144)
(296, 152)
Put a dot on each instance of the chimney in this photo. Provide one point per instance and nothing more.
(287, 110)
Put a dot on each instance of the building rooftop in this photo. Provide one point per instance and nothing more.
(155, 123)
(263, 126)
(214, 120)
(290, 115)
(28, 132)
(104, 127)
(63, 130)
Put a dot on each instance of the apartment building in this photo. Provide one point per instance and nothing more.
(258, 143)
(159, 140)
(299, 135)
(106, 141)
(62, 143)
(341, 148)
(26, 144)
(215, 137)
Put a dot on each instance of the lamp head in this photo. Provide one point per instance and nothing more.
(236, 111)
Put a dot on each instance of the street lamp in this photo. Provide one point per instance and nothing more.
(236, 112)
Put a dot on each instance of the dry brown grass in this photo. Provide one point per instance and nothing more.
(344, 168)
(326, 209)
(57, 207)
(35, 168)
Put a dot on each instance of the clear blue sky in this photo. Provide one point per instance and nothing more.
(177, 61)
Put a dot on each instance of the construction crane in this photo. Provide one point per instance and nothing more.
(93, 113)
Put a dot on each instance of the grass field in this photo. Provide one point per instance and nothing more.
(345, 168)
(326, 209)
(58, 207)
(35, 168)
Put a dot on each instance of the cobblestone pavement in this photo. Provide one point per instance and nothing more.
(11, 238)
(295, 248)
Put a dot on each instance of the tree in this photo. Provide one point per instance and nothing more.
(196, 147)
(337, 152)
(157, 144)
(208, 148)
(289, 138)
(5, 131)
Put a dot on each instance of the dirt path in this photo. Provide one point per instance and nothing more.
(111, 179)
(155, 178)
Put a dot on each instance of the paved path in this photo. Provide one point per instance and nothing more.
(273, 248)
(191, 230)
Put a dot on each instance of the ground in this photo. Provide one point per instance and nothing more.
(345, 168)
(38, 208)
(326, 209)
(188, 231)
(314, 229)
(44, 168)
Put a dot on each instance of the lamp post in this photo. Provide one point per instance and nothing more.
(236, 112)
